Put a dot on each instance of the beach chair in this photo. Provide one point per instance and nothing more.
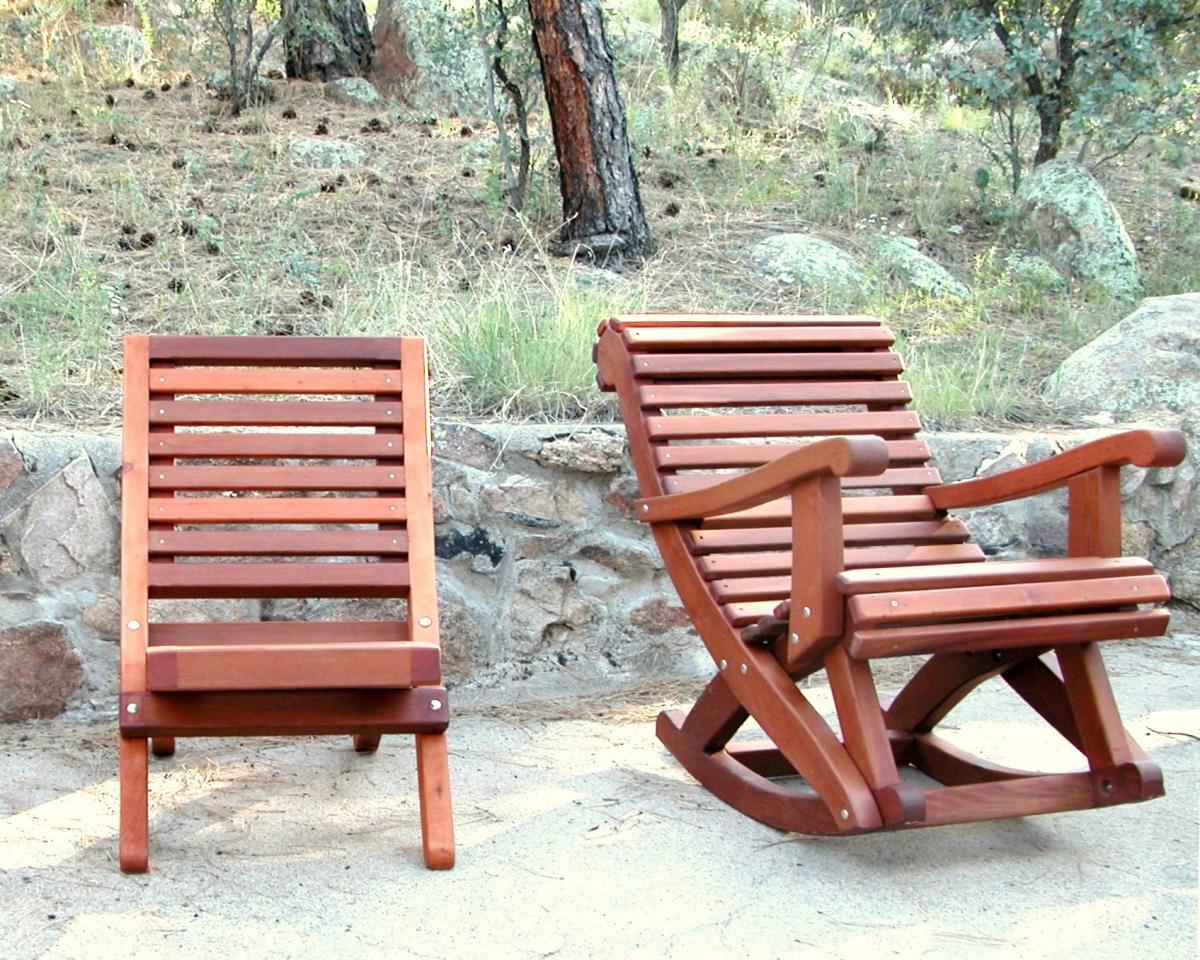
(250, 465)
(804, 527)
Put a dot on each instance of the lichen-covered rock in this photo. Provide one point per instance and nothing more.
(12, 465)
(534, 503)
(8, 90)
(1064, 213)
(114, 50)
(259, 88)
(39, 671)
(325, 152)
(354, 91)
(1036, 272)
(902, 257)
(67, 528)
(1146, 364)
(585, 451)
(801, 260)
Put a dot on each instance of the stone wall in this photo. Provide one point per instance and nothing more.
(547, 582)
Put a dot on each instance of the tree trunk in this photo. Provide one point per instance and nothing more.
(1051, 115)
(326, 39)
(393, 67)
(669, 37)
(602, 209)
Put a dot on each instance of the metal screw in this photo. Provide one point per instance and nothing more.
(392, 507)
(388, 412)
(131, 708)
(162, 379)
(435, 704)
(135, 625)
(806, 612)
(742, 668)
(391, 476)
(387, 379)
(394, 541)
(895, 603)
(1106, 786)
(845, 814)
(425, 622)
(161, 410)
(795, 639)
(389, 443)
(723, 664)
(162, 476)
(645, 508)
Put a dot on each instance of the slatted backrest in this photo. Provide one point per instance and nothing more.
(705, 396)
(275, 467)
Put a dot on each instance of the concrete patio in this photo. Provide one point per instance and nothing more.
(579, 836)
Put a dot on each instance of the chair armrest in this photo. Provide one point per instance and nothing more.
(1142, 448)
(839, 457)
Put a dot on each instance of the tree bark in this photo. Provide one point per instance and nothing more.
(393, 65)
(602, 208)
(669, 37)
(326, 39)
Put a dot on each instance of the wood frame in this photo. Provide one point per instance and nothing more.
(784, 570)
(362, 678)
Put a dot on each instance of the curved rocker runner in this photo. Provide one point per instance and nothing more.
(193, 530)
(816, 536)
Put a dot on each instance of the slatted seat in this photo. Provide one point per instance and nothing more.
(276, 468)
(805, 528)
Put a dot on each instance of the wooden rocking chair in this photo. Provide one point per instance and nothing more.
(192, 529)
(831, 553)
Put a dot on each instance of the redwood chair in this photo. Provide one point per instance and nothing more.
(218, 502)
(798, 514)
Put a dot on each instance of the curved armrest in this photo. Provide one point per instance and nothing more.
(1142, 448)
(839, 457)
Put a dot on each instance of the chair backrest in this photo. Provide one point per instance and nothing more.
(704, 395)
(253, 463)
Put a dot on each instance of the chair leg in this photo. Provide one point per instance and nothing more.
(162, 746)
(366, 742)
(713, 719)
(433, 787)
(135, 826)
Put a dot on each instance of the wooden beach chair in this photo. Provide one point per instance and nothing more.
(220, 500)
(816, 536)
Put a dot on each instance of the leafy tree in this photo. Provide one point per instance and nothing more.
(1107, 71)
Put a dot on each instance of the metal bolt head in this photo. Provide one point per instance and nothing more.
(845, 814)
(391, 476)
(426, 621)
(645, 508)
(723, 664)
(795, 639)
(895, 603)
(806, 612)
(134, 625)
(435, 704)
(743, 668)
(131, 708)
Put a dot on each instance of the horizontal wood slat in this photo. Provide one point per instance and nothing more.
(857, 582)
(723, 338)
(624, 321)
(781, 425)
(721, 565)
(1005, 634)
(718, 456)
(298, 666)
(276, 478)
(1025, 599)
(900, 477)
(293, 380)
(269, 351)
(276, 509)
(365, 446)
(277, 543)
(230, 580)
(854, 510)
(790, 365)
(874, 534)
(261, 632)
(764, 394)
(279, 713)
(276, 413)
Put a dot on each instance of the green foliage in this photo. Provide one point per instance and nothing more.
(1103, 72)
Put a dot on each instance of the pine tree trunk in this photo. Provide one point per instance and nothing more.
(602, 209)
(669, 37)
(393, 67)
(326, 39)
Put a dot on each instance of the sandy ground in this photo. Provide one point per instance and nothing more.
(580, 836)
